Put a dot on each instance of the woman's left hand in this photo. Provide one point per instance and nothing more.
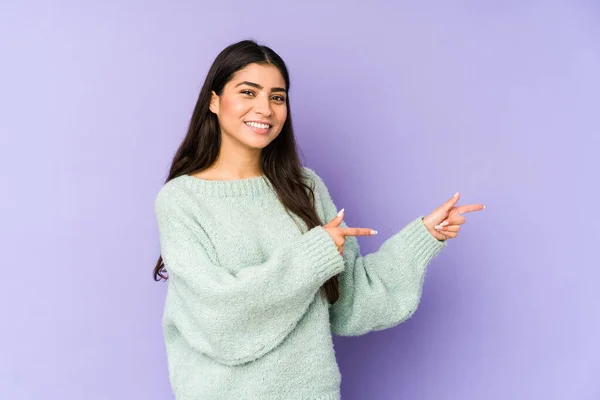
(445, 221)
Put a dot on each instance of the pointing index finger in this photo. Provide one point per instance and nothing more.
(358, 232)
(468, 208)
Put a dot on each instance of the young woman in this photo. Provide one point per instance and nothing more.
(249, 237)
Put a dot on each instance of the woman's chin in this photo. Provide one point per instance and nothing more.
(257, 144)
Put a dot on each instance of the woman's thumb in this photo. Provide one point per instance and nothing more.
(337, 220)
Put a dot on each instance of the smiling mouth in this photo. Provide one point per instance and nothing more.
(258, 125)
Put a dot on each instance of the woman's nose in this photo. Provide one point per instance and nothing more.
(263, 106)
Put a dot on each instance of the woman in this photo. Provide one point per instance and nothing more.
(248, 237)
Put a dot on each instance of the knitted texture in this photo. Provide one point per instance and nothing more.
(244, 317)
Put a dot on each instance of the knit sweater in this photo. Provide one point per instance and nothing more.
(244, 317)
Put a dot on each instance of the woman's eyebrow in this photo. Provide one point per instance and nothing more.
(256, 85)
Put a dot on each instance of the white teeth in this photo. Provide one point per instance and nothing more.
(257, 125)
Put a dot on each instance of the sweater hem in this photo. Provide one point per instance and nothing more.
(330, 396)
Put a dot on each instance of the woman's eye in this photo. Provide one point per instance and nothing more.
(248, 92)
(279, 98)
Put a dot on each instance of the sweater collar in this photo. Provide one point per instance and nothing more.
(253, 186)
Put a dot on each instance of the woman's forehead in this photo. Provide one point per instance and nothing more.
(264, 75)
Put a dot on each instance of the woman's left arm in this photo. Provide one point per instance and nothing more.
(382, 289)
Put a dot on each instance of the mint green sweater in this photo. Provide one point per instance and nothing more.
(244, 317)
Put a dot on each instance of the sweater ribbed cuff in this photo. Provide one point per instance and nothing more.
(322, 253)
(421, 243)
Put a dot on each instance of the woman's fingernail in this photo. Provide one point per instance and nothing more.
(444, 223)
(339, 214)
(455, 194)
(437, 227)
(484, 206)
(373, 232)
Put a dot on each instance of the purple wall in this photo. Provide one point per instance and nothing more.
(397, 107)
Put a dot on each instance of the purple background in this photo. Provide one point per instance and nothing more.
(396, 106)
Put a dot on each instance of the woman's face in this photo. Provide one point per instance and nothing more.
(252, 108)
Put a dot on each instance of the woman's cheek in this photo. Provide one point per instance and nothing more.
(231, 107)
(282, 116)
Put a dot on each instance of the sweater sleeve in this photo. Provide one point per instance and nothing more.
(238, 318)
(381, 289)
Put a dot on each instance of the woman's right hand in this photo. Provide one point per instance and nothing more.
(339, 234)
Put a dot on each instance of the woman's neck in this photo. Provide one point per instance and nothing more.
(224, 171)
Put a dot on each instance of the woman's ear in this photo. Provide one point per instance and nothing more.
(214, 103)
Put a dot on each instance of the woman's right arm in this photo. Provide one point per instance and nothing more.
(238, 318)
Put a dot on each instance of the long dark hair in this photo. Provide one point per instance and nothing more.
(280, 161)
